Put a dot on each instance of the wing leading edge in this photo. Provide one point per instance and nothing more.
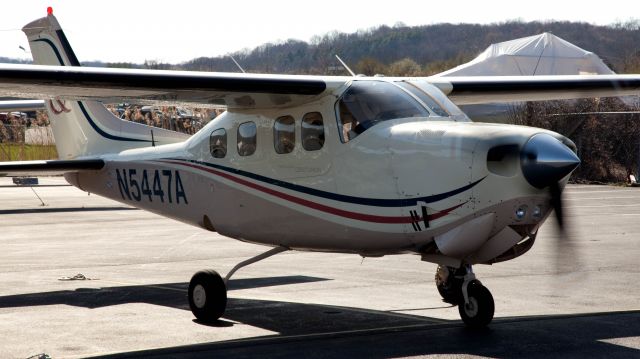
(244, 91)
(487, 89)
(255, 91)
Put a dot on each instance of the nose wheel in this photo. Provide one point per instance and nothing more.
(478, 308)
(459, 286)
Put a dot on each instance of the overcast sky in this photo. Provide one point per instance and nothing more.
(177, 31)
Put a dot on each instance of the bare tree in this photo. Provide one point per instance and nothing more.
(606, 132)
(370, 66)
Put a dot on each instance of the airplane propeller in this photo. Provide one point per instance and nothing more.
(545, 163)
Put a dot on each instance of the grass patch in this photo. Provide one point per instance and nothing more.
(24, 152)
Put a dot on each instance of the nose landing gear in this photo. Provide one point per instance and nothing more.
(459, 286)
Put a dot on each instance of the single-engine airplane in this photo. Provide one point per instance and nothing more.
(366, 165)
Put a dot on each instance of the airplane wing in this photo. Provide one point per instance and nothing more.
(486, 89)
(249, 91)
(48, 168)
(233, 90)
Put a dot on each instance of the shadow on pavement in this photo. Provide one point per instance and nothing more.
(319, 331)
(65, 209)
(35, 186)
(567, 336)
(287, 318)
(167, 294)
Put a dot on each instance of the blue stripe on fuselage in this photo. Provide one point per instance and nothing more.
(377, 202)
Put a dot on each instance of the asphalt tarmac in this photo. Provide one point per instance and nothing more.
(572, 295)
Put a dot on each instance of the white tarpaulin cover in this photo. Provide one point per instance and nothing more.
(544, 54)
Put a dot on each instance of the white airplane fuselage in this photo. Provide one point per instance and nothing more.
(417, 184)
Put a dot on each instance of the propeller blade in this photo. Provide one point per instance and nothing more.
(561, 246)
(565, 249)
(556, 203)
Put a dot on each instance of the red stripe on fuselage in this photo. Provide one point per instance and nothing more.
(314, 205)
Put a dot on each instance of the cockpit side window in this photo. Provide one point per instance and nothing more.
(425, 98)
(366, 103)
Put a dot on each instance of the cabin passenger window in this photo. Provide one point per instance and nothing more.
(312, 131)
(247, 133)
(284, 134)
(424, 97)
(218, 143)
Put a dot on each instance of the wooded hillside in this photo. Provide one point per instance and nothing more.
(423, 50)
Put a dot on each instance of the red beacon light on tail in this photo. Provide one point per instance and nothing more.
(49, 10)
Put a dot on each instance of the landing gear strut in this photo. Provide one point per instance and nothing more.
(208, 290)
(459, 286)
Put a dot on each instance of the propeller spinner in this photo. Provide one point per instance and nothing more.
(545, 161)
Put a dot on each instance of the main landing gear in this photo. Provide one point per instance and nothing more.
(460, 287)
(208, 290)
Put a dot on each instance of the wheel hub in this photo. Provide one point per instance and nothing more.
(471, 308)
(199, 296)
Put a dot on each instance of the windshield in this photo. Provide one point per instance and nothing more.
(366, 103)
(426, 99)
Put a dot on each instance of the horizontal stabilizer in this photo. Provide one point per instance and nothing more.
(48, 168)
(21, 105)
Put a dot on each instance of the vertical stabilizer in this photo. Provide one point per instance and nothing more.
(85, 128)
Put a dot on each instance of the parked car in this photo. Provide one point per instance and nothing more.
(183, 113)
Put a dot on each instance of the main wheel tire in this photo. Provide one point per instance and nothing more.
(448, 285)
(207, 295)
(478, 313)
